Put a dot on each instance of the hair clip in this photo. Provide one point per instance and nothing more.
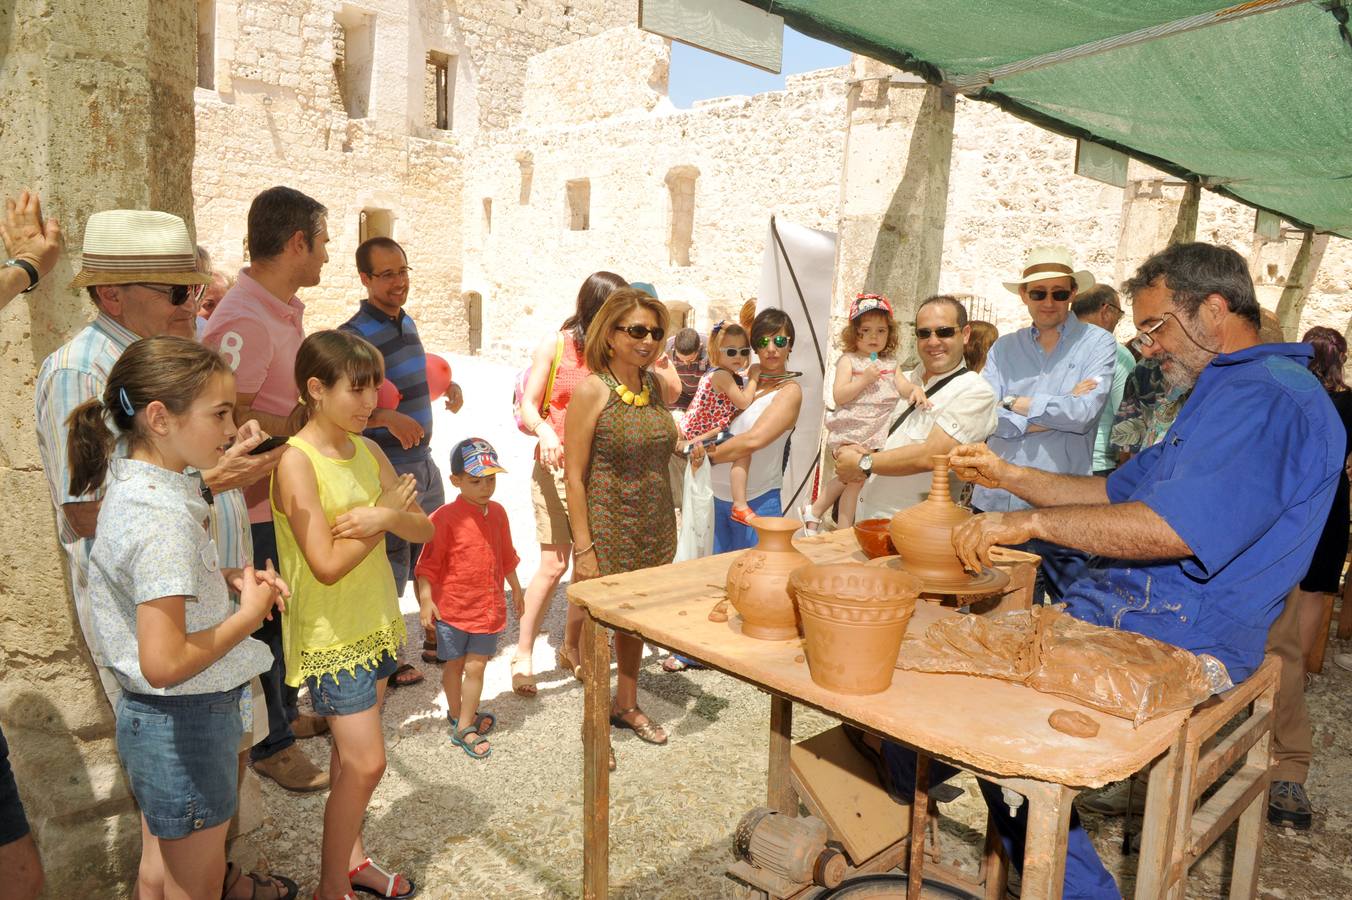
(126, 402)
(301, 399)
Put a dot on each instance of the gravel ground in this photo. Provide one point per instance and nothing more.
(510, 826)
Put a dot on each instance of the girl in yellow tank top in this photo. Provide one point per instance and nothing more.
(334, 497)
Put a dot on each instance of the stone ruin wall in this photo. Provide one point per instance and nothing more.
(276, 115)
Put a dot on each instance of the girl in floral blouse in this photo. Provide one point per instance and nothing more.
(179, 646)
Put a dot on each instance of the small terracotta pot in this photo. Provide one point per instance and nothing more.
(873, 538)
(923, 533)
(854, 617)
(758, 581)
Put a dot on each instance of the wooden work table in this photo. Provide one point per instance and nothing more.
(993, 728)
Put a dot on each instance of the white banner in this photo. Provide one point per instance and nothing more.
(796, 277)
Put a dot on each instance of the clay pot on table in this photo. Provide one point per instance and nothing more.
(854, 617)
(758, 581)
(923, 533)
(873, 538)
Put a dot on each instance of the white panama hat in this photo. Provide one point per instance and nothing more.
(1051, 262)
(127, 246)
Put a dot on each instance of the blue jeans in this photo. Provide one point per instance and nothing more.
(733, 535)
(403, 556)
(1086, 878)
(279, 697)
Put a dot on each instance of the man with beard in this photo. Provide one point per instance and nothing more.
(1200, 537)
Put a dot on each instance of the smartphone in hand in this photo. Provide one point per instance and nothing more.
(271, 443)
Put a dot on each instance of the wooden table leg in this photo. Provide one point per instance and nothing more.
(1158, 822)
(915, 870)
(595, 760)
(1044, 851)
(1345, 613)
(780, 795)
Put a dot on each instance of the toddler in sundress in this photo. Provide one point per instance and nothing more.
(867, 386)
(722, 393)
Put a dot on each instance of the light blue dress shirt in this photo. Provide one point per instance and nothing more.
(1018, 367)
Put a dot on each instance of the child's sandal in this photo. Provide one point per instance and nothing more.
(388, 892)
(811, 523)
(483, 722)
(471, 747)
(743, 514)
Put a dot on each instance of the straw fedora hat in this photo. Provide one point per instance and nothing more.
(1050, 262)
(126, 246)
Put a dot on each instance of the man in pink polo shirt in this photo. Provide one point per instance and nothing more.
(257, 328)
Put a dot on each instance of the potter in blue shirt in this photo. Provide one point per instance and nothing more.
(1205, 533)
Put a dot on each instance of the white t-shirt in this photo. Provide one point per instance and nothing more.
(765, 472)
(964, 408)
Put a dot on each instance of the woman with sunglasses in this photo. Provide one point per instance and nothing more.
(722, 393)
(619, 439)
(760, 432)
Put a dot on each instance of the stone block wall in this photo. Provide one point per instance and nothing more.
(97, 113)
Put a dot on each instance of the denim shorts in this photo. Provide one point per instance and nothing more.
(181, 756)
(347, 693)
(452, 643)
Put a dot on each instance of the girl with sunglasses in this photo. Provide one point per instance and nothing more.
(867, 385)
(722, 393)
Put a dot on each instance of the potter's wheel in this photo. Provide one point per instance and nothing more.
(989, 581)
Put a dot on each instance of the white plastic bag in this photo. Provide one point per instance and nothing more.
(697, 515)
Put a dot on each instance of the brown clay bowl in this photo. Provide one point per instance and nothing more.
(874, 538)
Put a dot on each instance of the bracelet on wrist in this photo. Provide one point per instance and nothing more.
(587, 549)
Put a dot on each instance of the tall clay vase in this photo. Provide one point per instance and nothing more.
(758, 581)
(923, 534)
(854, 617)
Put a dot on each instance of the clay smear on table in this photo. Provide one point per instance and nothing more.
(758, 580)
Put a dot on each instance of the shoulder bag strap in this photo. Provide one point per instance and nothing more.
(553, 372)
(938, 386)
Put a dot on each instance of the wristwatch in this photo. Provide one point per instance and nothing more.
(28, 268)
(866, 464)
(1008, 402)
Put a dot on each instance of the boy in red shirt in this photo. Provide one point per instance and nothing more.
(460, 575)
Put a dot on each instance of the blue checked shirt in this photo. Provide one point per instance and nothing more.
(1017, 367)
(76, 372)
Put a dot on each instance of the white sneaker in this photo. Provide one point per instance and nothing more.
(1343, 661)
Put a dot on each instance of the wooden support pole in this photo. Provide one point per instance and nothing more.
(1298, 281)
(780, 795)
(595, 760)
(915, 869)
(1185, 227)
(1044, 859)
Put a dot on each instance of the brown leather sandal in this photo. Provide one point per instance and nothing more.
(649, 732)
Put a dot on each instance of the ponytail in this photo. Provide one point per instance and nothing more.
(171, 370)
(89, 447)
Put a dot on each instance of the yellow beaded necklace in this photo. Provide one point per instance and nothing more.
(628, 396)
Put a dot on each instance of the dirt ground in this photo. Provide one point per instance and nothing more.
(511, 826)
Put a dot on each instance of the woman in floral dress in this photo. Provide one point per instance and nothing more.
(619, 438)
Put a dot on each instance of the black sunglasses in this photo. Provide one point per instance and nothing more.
(178, 294)
(733, 352)
(639, 332)
(781, 341)
(1037, 295)
(943, 331)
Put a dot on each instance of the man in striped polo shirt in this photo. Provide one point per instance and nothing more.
(405, 432)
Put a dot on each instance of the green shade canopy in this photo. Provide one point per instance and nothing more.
(1259, 108)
